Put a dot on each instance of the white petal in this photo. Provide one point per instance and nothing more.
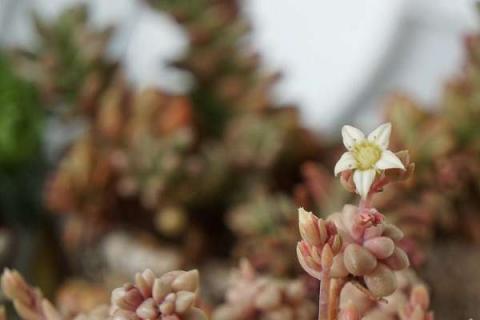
(389, 160)
(346, 162)
(363, 181)
(381, 135)
(351, 136)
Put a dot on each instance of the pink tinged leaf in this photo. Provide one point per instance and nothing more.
(380, 247)
(314, 272)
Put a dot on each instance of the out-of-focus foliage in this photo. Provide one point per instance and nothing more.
(68, 65)
(21, 119)
(176, 166)
(443, 198)
(214, 174)
(21, 136)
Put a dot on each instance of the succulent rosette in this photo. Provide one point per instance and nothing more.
(169, 297)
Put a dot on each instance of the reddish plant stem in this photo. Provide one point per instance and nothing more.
(323, 298)
(336, 287)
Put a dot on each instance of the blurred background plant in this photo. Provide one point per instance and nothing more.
(138, 176)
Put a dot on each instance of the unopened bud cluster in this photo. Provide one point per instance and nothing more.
(321, 243)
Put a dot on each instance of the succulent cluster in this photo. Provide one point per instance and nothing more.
(442, 200)
(68, 63)
(181, 166)
(409, 301)
(171, 296)
(265, 225)
(355, 252)
(252, 297)
(163, 181)
(29, 302)
(370, 248)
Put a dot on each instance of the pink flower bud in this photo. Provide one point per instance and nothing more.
(312, 229)
(310, 263)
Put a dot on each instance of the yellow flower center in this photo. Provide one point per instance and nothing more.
(366, 154)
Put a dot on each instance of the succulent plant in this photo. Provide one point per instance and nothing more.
(171, 296)
(441, 201)
(179, 164)
(251, 296)
(68, 65)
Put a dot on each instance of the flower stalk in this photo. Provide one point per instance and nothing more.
(356, 244)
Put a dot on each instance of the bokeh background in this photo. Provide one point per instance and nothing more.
(177, 134)
(337, 56)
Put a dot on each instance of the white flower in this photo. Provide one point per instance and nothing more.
(367, 156)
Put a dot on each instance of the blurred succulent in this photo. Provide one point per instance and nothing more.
(251, 296)
(410, 301)
(21, 142)
(177, 165)
(265, 226)
(21, 118)
(68, 65)
(28, 302)
(169, 297)
(78, 296)
(443, 197)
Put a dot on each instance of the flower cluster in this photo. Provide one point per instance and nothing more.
(252, 297)
(320, 245)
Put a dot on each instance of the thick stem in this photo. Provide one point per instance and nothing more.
(323, 298)
(336, 286)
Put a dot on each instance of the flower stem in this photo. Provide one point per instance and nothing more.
(323, 299)
(365, 203)
(336, 287)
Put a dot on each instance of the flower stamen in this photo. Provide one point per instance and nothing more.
(366, 154)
